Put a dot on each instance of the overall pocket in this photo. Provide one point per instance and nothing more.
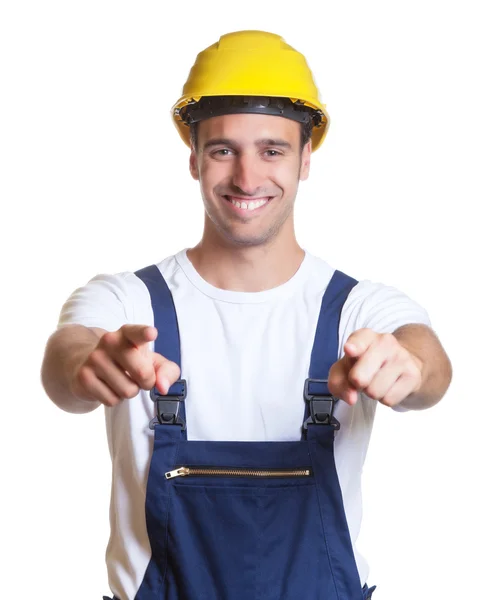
(245, 533)
(209, 471)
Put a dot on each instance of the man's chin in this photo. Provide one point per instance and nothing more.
(245, 240)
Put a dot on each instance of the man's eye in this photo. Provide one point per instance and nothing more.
(222, 152)
(272, 153)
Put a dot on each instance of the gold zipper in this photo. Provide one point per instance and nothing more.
(216, 471)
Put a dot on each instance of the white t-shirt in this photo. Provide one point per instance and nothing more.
(234, 347)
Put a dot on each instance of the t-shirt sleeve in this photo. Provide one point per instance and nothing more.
(381, 308)
(102, 302)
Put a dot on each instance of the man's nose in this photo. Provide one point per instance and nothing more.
(248, 174)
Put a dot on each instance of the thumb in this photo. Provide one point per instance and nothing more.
(167, 372)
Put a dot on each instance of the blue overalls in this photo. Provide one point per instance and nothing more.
(248, 520)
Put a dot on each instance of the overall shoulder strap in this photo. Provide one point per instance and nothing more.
(326, 344)
(168, 341)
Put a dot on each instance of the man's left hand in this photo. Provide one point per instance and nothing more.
(378, 365)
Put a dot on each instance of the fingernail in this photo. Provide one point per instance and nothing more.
(165, 385)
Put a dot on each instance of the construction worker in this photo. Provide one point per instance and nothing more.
(240, 377)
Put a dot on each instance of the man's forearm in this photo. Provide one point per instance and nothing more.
(436, 368)
(65, 351)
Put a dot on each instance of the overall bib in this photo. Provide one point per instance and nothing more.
(248, 520)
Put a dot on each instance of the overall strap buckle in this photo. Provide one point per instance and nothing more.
(168, 406)
(321, 405)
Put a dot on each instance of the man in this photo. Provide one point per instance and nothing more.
(247, 482)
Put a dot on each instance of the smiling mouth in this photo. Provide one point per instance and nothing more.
(248, 204)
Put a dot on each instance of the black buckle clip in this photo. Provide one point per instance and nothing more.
(168, 407)
(321, 407)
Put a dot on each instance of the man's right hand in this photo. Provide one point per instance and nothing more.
(120, 365)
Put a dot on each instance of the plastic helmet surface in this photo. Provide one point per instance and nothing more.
(252, 63)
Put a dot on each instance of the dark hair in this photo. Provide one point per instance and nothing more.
(306, 134)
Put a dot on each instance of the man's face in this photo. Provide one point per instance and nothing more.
(249, 167)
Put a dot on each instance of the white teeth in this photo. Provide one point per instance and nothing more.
(248, 205)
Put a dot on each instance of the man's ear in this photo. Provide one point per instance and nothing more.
(194, 171)
(305, 161)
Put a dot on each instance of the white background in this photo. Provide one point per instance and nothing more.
(94, 179)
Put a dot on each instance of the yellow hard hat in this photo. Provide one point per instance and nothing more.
(253, 64)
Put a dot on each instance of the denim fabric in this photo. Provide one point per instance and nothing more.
(367, 593)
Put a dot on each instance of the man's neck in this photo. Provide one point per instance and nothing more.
(248, 269)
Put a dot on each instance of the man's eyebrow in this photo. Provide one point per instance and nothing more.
(259, 143)
(219, 142)
(272, 142)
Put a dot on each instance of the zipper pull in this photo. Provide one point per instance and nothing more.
(181, 472)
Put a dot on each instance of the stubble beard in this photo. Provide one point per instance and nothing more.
(254, 238)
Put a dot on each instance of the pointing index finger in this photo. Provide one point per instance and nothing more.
(139, 335)
(359, 342)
